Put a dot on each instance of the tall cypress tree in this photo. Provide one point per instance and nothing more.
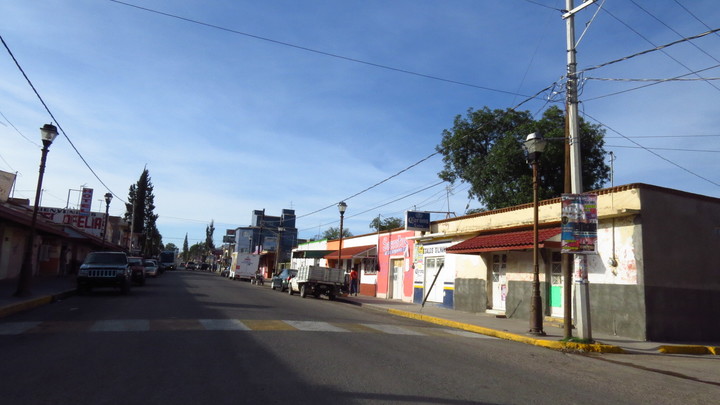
(140, 209)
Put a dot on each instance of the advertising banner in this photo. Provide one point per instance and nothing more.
(579, 223)
(86, 201)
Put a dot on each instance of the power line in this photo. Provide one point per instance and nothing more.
(304, 48)
(32, 86)
(650, 151)
(671, 149)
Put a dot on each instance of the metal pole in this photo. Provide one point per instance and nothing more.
(536, 316)
(582, 305)
(342, 216)
(107, 217)
(23, 287)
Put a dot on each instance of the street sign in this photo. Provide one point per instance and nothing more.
(417, 221)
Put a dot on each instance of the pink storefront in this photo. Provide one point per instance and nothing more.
(395, 278)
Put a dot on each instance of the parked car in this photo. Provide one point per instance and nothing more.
(104, 269)
(190, 266)
(205, 267)
(225, 272)
(138, 270)
(282, 279)
(152, 269)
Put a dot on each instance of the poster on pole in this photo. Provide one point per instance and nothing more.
(579, 223)
(6, 182)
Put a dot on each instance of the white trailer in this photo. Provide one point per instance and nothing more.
(317, 281)
(244, 266)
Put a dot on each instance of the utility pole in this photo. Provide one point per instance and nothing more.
(582, 296)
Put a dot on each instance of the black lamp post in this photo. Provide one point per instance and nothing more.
(47, 133)
(534, 145)
(108, 198)
(341, 207)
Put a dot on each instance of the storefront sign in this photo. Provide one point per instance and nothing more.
(417, 221)
(91, 222)
(86, 201)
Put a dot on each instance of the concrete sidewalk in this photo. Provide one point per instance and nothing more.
(47, 289)
(43, 290)
(516, 330)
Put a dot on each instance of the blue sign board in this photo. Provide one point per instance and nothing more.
(417, 221)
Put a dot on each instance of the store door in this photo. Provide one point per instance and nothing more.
(556, 286)
(432, 267)
(499, 282)
(396, 279)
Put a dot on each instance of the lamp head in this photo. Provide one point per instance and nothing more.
(342, 207)
(108, 198)
(48, 133)
(534, 146)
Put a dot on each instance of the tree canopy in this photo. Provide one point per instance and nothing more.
(384, 224)
(333, 233)
(484, 149)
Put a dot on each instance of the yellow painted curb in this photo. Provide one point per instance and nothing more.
(24, 306)
(550, 344)
(689, 349)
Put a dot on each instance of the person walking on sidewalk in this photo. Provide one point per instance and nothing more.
(354, 282)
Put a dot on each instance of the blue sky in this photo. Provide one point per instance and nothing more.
(266, 104)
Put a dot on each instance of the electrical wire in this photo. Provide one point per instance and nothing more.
(32, 86)
(304, 48)
(657, 48)
(650, 151)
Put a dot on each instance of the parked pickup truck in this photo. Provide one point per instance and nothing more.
(317, 281)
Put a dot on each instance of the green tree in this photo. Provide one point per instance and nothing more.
(140, 209)
(484, 149)
(186, 250)
(170, 246)
(197, 251)
(385, 224)
(209, 231)
(333, 233)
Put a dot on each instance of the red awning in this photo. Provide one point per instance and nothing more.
(519, 240)
(350, 252)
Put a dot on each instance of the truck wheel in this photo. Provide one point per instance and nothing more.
(331, 296)
(303, 291)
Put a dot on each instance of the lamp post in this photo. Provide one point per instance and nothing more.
(534, 145)
(47, 133)
(108, 198)
(341, 207)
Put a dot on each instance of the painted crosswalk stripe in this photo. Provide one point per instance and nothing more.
(223, 324)
(121, 325)
(311, 326)
(465, 333)
(392, 329)
(16, 328)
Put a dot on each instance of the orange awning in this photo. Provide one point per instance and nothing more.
(350, 252)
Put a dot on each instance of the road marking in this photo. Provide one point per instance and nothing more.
(312, 326)
(223, 324)
(154, 325)
(16, 328)
(121, 325)
(393, 330)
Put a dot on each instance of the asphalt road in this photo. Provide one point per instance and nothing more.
(197, 338)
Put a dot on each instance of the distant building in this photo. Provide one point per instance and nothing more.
(265, 234)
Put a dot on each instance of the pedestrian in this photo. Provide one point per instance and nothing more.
(354, 281)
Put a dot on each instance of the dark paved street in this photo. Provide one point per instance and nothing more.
(191, 337)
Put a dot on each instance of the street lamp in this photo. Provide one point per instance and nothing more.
(47, 133)
(341, 207)
(108, 198)
(534, 145)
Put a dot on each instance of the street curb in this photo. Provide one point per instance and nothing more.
(34, 303)
(549, 344)
(689, 349)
